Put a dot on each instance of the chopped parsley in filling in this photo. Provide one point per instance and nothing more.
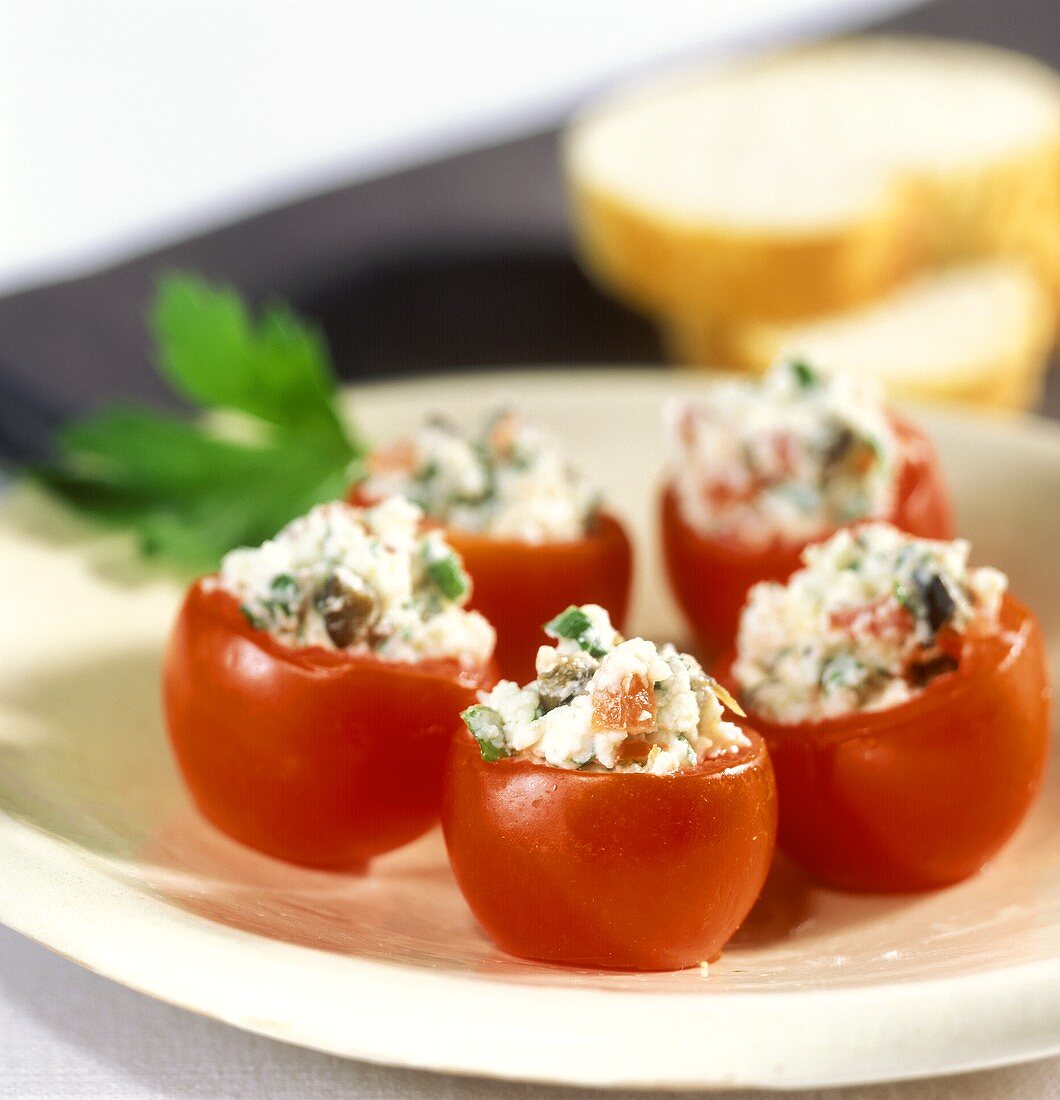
(785, 459)
(604, 703)
(361, 580)
(510, 480)
(872, 618)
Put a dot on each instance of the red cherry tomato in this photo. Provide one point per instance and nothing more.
(710, 576)
(519, 585)
(625, 871)
(920, 795)
(310, 755)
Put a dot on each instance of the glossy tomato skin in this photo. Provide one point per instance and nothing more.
(920, 795)
(710, 577)
(616, 871)
(309, 755)
(519, 585)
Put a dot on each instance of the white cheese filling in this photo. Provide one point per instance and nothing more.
(602, 703)
(862, 626)
(363, 581)
(785, 459)
(510, 480)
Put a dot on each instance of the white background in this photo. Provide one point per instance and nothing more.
(124, 123)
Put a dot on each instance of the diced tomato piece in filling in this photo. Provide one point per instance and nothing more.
(393, 458)
(720, 494)
(884, 617)
(502, 434)
(632, 708)
(686, 426)
(633, 749)
(863, 460)
(785, 449)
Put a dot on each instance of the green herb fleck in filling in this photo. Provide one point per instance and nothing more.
(805, 375)
(446, 575)
(576, 626)
(487, 728)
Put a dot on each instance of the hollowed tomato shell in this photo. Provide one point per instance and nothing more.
(610, 870)
(920, 795)
(710, 577)
(519, 586)
(309, 755)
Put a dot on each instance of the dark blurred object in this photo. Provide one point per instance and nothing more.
(464, 308)
(464, 262)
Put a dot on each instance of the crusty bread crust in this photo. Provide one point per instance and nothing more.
(661, 265)
(1010, 379)
(668, 265)
(1008, 208)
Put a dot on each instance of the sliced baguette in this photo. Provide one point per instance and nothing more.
(809, 182)
(977, 332)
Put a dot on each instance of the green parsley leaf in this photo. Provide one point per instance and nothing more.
(284, 594)
(487, 728)
(843, 670)
(572, 624)
(283, 587)
(805, 375)
(252, 619)
(276, 369)
(576, 626)
(447, 576)
(194, 489)
(906, 598)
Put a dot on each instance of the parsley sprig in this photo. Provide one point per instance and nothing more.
(272, 445)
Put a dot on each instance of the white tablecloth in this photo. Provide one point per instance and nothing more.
(66, 1033)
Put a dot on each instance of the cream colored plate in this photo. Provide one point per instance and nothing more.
(103, 859)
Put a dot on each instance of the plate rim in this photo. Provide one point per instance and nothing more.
(1025, 992)
(1000, 998)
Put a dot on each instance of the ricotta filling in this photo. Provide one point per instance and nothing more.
(872, 617)
(604, 703)
(508, 480)
(363, 581)
(785, 459)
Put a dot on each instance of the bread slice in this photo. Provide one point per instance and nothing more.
(813, 181)
(976, 332)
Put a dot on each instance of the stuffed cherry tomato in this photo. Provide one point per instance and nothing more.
(905, 701)
(313, 686)
(607, 814)
(760, 471)
(530, 531)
